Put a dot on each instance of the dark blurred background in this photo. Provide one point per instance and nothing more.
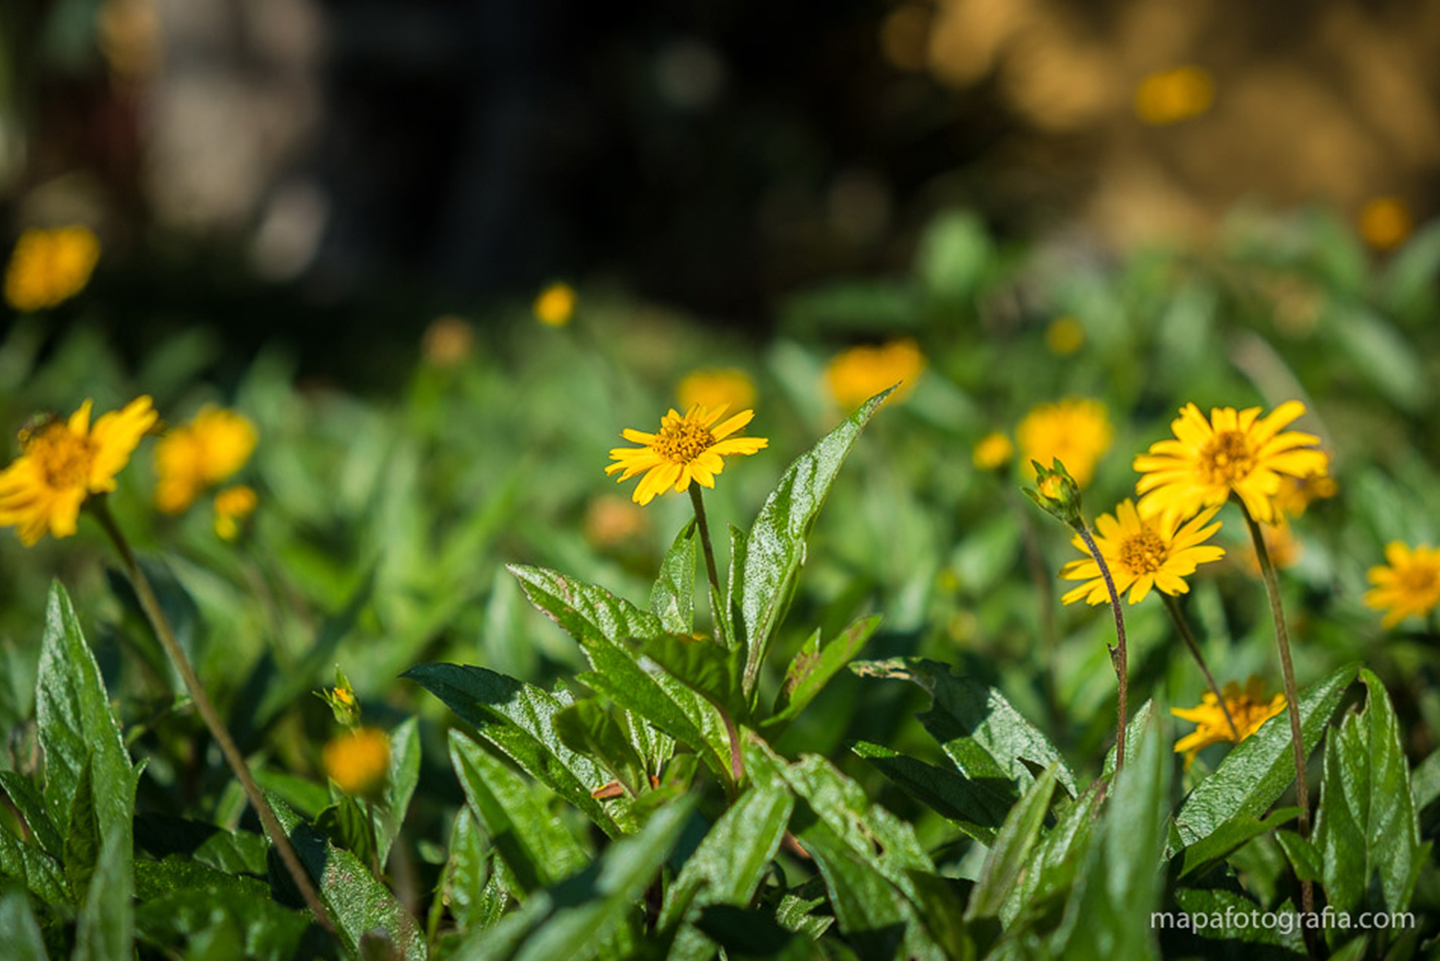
(337, 172)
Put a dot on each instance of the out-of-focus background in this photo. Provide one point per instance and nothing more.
(339, 173)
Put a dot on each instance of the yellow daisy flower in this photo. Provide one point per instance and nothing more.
(1409, 584)
(1295, 494)
(993, 451)
(1236, 452)
(48, 267)
(856, 375)
(716, 388)
(555, 305)
(63, 462)
(1141, 554)
(686, 448)
(1076, 430)
(1248, 707)
(232, 506)
(358, 761)
(206, 451)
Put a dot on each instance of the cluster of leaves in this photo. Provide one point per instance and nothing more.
(616, 785)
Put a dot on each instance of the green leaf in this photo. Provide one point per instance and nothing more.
(731, 861)
(82, 836)
(183, 899)
(356, 902)
(706, 667)
(1259, 770)
(1056, 858)
(1302, 855)
(672, 599)
(973, 808)
(40, 873)
(989, 741)
(1008, 855)
(467, 873)
(399, 785)
(814, 666)
(105, 930)
(536, 848)
(19, 931)
(1228, 838)
(605, 625)
(348, 826)
(587, 728)
(1108, 915)
(775, 547)
(573, 920)
(77, 727)
(1367, 831)
(519, 719)
(30, 803)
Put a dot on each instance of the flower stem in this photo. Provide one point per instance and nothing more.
(1118, 656)
(1173, 606)
(1292, 699)
(161, 625)
(710, 569)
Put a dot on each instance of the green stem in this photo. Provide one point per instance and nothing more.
(1292, 699)
(161, 625)
(710, 569)
(1118, 656)
(1173, 606)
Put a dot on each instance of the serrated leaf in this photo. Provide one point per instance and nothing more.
(36, 870)
(775, 546)
(355, 901)
(1259, 770)
(1228, 838)
(519, 719)
(1366, 830)
(973, 808)
(19, 931)
(1008, 855)
(82, 835)
(705, 667)
(348, 826)
(1056, 858)
(467, 872)
(573, 920)
(30, 803)
(105, 930)
(400, 784)
(979, 729)
(77, 726)
(536, 848)
(813, 667)
(183, 899)
(587, 728)
(672, 599)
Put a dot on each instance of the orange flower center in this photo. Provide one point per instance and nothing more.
(63, 458)
(1418, 579)
(683, 441)
(1144, 552)
(1227, 458)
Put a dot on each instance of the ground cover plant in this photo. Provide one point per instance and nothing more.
(607, 636)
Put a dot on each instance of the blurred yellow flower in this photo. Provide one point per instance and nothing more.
(1174, 95)
(1141, 554)
(856, 375)
(63, 462)
(555, 305)
(206, 451)
(611, 520)
(48, 267)
(448, 341)
(1076, 430)
(1409, 584)
(359, 760)
(1248, 707)
(993, 451)
(685, 448)
(1064, 336)
(1385, 222)
(1235, 452)
(232, 506)
(726, 387)
(1297, 493)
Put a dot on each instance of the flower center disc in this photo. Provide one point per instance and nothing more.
(1417, 579)
(682, 442)
(63, 458)
(1143, 553)
(1227, 458)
